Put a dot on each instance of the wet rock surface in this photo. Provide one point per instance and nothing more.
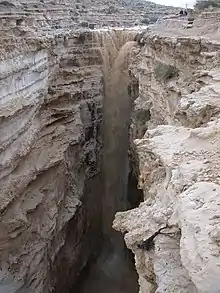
(114, 272)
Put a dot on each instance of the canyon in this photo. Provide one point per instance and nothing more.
(108, 127)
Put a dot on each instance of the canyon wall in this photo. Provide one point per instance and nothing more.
(51, 188)
(174, 233)
(51, 114)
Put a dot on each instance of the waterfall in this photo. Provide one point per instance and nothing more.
(115, 47)
(114, 272)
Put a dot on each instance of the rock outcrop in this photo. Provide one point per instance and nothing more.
(174, 233)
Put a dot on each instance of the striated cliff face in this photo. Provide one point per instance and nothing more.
(174, 233)
(50, 138)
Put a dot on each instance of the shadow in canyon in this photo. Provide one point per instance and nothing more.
(114, 270)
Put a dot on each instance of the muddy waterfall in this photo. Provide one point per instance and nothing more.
(114, 271)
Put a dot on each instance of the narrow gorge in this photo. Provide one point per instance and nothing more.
(109, 154)
(65, 165)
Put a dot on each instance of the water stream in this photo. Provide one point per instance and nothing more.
(114, 270)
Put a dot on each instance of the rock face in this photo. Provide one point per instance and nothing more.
(50, 138)
(174, 233)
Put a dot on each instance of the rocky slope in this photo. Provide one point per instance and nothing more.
(62, 15)
(174, 233)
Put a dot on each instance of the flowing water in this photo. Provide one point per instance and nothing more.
(114, 271)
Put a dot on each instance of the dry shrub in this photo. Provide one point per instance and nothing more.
(164, 72)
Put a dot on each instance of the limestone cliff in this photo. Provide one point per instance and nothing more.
(174, 233)
(50, 139)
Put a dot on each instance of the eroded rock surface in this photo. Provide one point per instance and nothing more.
(174, 232)
(50, 138)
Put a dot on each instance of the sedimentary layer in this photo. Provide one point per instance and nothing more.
(50, 138)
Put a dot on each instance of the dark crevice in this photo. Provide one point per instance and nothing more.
(135, 195)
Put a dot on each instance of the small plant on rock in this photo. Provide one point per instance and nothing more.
(164, 72)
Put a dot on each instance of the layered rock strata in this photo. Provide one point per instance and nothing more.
(51, 16)
(174, 233)
(50, 139)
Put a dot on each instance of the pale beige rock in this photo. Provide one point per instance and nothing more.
(177, 144)
(198, 211)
